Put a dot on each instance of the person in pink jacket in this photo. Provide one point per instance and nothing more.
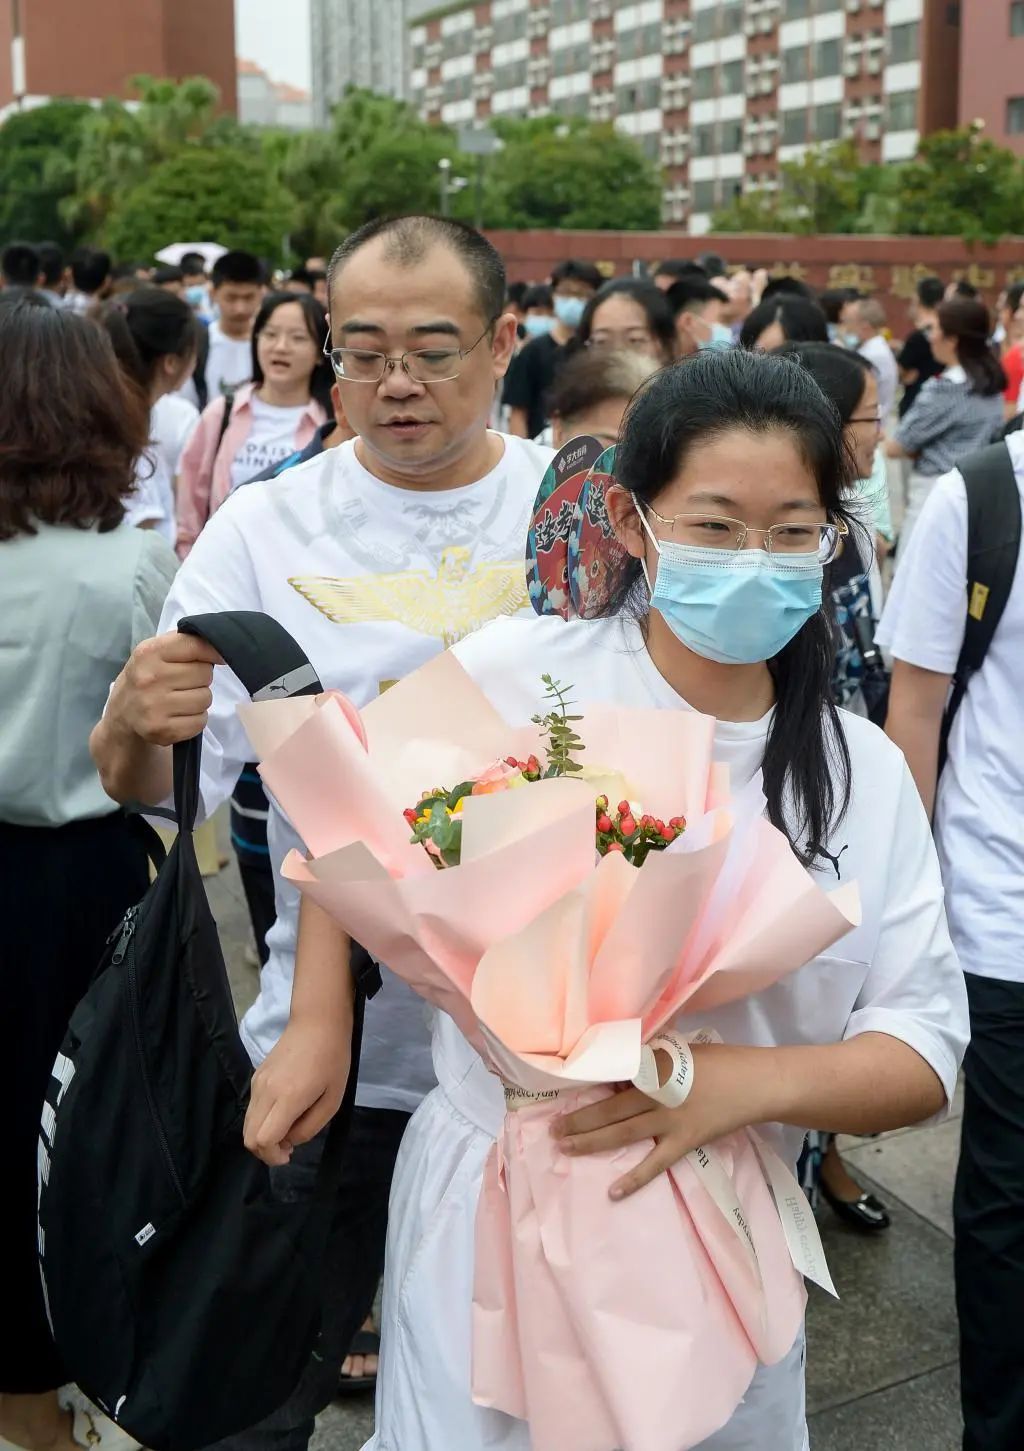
(240, 435)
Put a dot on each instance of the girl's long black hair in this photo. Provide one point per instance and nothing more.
(806, 768)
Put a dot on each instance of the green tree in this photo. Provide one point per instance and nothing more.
(37, 155)
(120, 147)
(823, 192)
(571, 173)
(223, 193)
(962, 185)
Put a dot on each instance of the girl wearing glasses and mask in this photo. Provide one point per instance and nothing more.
(731, 480)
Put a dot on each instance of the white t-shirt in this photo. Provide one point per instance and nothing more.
(372, 581)
(896, 973)
(228, 365)
(881, 357)
(172, 422)
(271, 439)
(979, 814)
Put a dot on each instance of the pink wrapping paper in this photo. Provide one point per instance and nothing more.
(609, 1326)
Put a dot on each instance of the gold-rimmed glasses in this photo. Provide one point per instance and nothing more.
(423, 365)
(714, 531)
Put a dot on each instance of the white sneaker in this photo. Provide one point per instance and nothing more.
(92, 1429)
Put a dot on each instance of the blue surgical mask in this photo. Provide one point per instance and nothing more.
(721, 337)
(537, 325)
(196, 296)
(569, 310)
(851, 341)
(735, 606)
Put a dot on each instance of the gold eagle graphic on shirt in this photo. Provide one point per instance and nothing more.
(447, 605)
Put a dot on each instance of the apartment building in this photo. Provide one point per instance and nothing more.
(360, 43)
(719, 92)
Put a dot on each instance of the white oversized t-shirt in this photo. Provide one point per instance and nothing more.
(372, 581)
(896, 973)
(271, 439)
(979, 809)
(228, 366)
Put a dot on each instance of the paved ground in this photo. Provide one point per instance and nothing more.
(882, 1372)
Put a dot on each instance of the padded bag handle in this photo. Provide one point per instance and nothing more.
(269, 663)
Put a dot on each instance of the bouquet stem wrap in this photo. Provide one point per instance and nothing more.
(631, 1325)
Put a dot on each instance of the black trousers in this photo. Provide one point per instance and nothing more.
(988, 1211)
(258, 885)
(63, 890)
(355, 1260)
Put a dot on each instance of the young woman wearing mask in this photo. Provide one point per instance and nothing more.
(731, 478)
(264, 421)
(955, 413)
(630, 316)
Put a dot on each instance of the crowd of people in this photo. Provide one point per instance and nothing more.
(353, 449)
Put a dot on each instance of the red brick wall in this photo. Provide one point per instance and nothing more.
(991, 67)
(887, 266)
(94, 51)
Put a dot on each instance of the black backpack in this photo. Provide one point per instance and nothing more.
(993, 549)
(184, 1297)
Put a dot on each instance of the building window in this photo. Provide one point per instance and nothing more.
(730, 17)
(704, 141)
(827, 58)
(704, 80)
(650, 145)
(509, 77)
(1017, 17)
(732, 78)
(794, 128)
(705, 26)
(564, 12)
(904, 43)
(1015, 116)
(570, 59)
(705, 196)
(795, 64)
(731, 138)
(510, 27)
(902, 111)
(644, 96)
(642, 40)
(828, 123)
(796, 9)
(458, 89)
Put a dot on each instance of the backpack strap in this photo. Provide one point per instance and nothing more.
(271, 665)
(199, 371)
(993, 548)
(229, 408)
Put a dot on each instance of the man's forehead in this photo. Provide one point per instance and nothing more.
(439, 284)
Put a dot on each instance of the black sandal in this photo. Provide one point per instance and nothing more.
(365, 1342)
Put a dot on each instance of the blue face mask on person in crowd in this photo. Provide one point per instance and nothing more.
(851, 341)
(537, 325)
(721, 336)
(196, 296)
(569, 310)
(734, 606)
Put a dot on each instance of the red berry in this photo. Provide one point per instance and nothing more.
(409, 815)
(668, 834)
(627, 825)
(623, 808)
(614, 846)
(604, 823)
(678, 823)
(511, 761)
